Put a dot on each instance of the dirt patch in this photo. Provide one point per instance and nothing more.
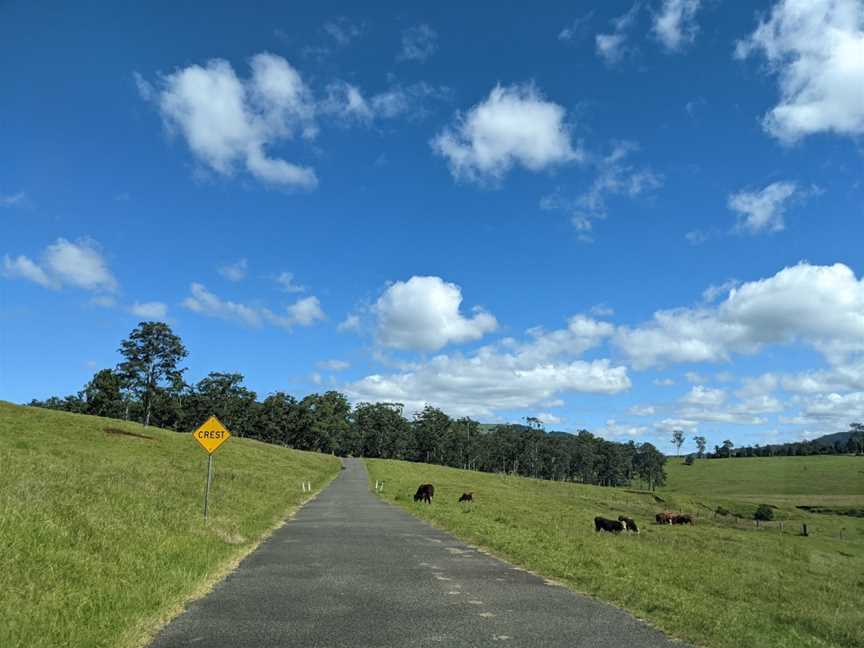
(118, 431)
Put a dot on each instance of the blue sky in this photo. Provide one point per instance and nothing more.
(622, 217)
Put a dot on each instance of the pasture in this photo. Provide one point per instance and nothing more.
(722, 583)
(103, 534)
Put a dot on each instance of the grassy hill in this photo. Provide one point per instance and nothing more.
(722, 583)
(102, 528)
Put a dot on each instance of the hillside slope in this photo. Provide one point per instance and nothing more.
(722, 583)
(102, 528)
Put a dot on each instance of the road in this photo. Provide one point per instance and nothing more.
(351, 571)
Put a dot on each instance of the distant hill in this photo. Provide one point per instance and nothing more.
(831, 439)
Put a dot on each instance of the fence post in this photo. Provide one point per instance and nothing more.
(803, 529)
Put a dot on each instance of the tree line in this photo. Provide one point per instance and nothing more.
(148, 386)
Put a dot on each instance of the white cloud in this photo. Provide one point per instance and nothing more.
(693, 377)
(642, 410)
(487, 382)
(348, 102)
(235, 271)
(149, 310)
(611, 47)
(762, 211)
(418, 43)
(822, 306)
(816, 48)
(663, 382)
(315, 377)
(104, 301)
(63, 263)
(343, 31)
(577, 29)
(615, 177)
(701, 395)
(615, 430)
(423, 314)
(304, 312)
(548, 419)
(758, 386)
(672, 424)
(286, 281)
(602, 310)
(505, 376)
(712, 292)
(23, 268)
(206, 303)
(334, 365)
(675, 25)
(228, 121)
(350, 323)
(515, 125)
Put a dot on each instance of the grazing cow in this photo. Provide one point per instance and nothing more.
(467, 497)
(682, 519)
(664, 518)
(425, 493)
(630, 522)
(613, 526)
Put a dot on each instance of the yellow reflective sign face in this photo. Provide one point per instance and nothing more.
(211, 434)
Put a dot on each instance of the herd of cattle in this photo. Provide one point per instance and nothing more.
(425, 492)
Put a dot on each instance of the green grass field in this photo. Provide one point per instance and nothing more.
(102, 534)
(722, 583)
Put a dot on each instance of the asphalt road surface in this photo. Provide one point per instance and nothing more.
(351, 571)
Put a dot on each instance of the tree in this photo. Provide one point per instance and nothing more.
(649, 465)
(701, 443)
(678, 440)
(764, 513)
(151, 353)
(104, 394)
(726, 450)
(222, 395)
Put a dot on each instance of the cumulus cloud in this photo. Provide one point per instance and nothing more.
(235, 271)
(763, 210)
(642, 410)
(675, 24)
(514, 125)
(286, 282)
(548, 419)
(304, 312)
(508, 375)
(64, 263)
(816, 49)
(350, 323)
(701, 395)
(822, 306)
(612, 47)
(615, 430)
(423, 314)
(418, 43)
(227, 121)
(149, 310)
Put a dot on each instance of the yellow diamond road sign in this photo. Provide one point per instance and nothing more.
(211, 435)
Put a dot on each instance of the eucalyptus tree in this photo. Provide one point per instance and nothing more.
(152, 353)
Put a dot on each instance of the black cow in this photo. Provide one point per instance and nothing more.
(425, 493)
(630, 522)
(467, 497)
(682, 519)
(613, 526)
